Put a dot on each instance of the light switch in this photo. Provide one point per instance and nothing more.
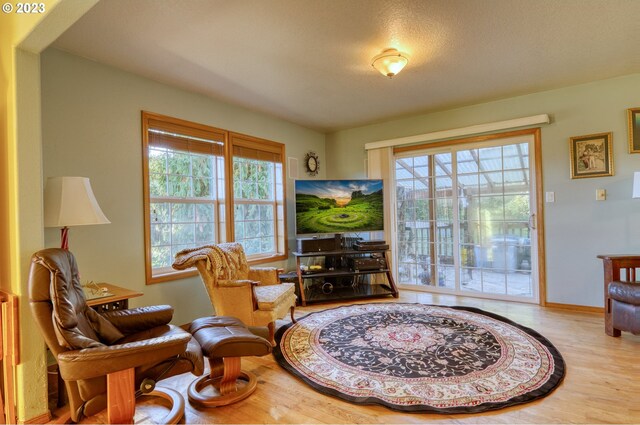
(601, 194)
(550, 197)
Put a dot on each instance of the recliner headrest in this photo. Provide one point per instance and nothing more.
(76, 324)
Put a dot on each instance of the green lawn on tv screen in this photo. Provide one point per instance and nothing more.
(323, 215)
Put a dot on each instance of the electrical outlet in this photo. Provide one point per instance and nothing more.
(601, 194)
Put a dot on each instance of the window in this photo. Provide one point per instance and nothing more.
(194, 177)
(258, 194)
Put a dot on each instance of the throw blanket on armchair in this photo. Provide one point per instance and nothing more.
(225, 261)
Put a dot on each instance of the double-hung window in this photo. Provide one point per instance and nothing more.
(204, 185)
(185, 190)
(258, 197)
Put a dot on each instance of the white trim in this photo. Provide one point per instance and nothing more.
(459, 132)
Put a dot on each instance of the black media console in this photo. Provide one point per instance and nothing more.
(332, 269)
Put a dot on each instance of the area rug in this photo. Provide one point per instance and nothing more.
(420, 358)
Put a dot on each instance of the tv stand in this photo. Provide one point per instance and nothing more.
(344, 274)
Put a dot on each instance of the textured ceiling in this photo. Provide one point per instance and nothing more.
(308, 61)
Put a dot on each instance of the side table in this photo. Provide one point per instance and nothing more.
(118, 301)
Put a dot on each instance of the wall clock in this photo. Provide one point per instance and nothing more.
(311, 163)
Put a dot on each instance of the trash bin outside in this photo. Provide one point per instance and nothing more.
(505, 252)
(483, 256)
(524, 254)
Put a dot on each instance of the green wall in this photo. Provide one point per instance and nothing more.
(91, 128)
(577, 226)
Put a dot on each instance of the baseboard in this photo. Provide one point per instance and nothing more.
(61, 415)
(575, 307)
(41, 419)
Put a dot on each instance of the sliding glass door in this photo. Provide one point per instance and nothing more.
(424, 218)
(464, 218)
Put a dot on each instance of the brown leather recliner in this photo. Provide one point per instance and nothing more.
(625, 306)
(119, 346)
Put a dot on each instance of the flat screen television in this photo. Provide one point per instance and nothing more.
(338, 206)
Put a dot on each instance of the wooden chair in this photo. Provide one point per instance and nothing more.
(625, 307)
(621, 294)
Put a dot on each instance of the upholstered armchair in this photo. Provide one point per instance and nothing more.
(104, 358)
(625, 306)
(254, 295)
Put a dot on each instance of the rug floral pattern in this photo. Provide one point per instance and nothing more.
(416, 357)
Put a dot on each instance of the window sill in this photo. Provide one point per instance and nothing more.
(269, 259)
(170, 275)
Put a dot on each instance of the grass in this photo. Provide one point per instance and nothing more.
(323, 215)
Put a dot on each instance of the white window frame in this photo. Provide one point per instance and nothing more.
(531, 136)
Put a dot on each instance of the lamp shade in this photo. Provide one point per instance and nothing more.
(390, 62)
(636, 185)
(69, 201)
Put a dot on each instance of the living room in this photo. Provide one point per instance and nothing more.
(90, 115)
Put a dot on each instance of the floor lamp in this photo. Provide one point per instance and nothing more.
(69, 201)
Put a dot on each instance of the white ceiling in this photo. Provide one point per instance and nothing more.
(308, 61)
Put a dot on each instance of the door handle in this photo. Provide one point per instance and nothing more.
(532, 222)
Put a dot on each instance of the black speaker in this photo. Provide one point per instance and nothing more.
(319, 244)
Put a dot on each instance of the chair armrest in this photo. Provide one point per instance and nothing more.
(241, 284)
(94, 362)
(264, 275)
(626, 292)
(140, 319)
(235, 298)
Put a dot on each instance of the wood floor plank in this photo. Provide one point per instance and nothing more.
(602, 384)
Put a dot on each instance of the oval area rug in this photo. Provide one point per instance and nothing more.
(420, 358)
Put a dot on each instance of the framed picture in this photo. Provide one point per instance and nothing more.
(634, 130)
(591, 156)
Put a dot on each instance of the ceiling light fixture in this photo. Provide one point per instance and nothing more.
(390, 62)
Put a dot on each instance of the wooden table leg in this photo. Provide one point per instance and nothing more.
(608, 277)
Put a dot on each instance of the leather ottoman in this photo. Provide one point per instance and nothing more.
(224, 341)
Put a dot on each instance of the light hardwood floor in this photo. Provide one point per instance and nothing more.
(602, 383)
